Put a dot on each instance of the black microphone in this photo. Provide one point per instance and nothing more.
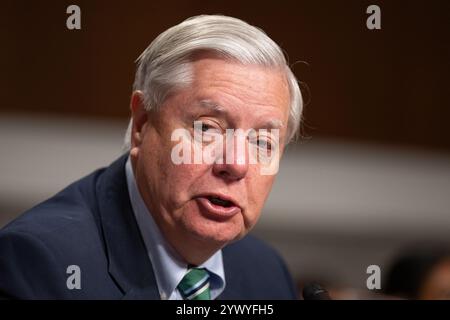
(315, 291)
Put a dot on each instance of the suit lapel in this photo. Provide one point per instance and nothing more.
(129, 264)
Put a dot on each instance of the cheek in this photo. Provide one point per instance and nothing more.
(181, 178)
(171, 184)
(177, 184)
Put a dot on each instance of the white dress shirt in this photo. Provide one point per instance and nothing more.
(168, 266)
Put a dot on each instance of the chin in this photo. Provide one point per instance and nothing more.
(219, 232)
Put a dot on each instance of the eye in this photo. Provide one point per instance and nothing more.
(264, 143)
(206, 127)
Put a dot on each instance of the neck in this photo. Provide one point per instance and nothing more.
(193, 251)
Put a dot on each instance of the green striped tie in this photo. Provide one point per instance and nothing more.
(195, 285)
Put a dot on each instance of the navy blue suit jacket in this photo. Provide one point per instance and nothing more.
(91, 224)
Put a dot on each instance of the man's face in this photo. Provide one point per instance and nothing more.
(223, 95)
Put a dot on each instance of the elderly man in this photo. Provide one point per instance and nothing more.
(214, 103)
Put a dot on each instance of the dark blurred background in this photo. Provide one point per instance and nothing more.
(370, 175)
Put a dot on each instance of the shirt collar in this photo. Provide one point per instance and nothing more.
(168, 266)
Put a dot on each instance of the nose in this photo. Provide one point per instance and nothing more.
(234, 162)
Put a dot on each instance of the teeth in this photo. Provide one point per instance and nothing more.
(220, 202)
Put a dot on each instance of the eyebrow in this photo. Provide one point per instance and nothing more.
(213, 106)
(274, 124)
(217, 108)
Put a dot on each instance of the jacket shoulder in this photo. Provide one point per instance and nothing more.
(37, 247)
(74, 205)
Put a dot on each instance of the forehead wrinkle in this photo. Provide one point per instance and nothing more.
(213, 106)
(248, 91)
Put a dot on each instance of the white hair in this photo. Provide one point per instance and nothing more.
(166, 63)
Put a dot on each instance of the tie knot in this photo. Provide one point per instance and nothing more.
(195, 285)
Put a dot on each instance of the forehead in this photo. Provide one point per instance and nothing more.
(244, 88)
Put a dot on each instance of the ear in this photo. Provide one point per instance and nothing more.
(139, 118)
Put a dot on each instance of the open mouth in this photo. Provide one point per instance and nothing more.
(217, 207)
(220, 202)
